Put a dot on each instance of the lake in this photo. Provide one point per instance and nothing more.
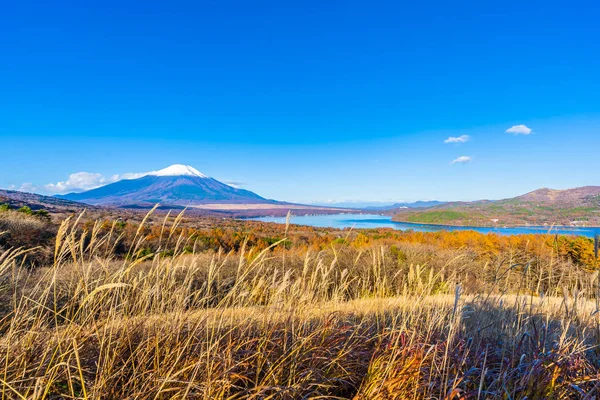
(381, 221)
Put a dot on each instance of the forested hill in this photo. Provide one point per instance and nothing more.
(577, 206)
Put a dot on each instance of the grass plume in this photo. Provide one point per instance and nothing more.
(379, 321)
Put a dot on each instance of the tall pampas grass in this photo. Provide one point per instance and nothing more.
(344, 323)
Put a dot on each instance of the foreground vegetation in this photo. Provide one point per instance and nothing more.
(160, 309)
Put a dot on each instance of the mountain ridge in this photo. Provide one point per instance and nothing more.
(575, 206)
(414, 204)
(179, 185)
(561, 196)
(35, 201)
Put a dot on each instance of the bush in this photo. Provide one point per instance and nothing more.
(27, 231)
(25, 210)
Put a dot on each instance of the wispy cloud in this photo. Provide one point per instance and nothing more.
(235, 184)
(462, 160)
(458, 139)
(519, 130)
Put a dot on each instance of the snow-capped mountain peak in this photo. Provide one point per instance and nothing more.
(179, 185)
(178, 170)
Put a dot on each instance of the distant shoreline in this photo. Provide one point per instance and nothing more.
(498, 226)
(386, 222)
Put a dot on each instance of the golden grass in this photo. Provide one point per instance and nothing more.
(345, 323)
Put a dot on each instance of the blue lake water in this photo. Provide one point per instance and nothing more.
(381, 221)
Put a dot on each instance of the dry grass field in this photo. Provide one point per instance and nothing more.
(345, 322)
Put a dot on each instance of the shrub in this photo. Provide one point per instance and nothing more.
(27, 231)
(25, 210)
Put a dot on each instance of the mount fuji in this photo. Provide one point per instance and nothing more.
(179, 185)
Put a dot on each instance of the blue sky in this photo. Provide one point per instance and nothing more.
(303, 101)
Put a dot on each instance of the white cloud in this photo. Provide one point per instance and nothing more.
(235, 184)
(519, 130)
(459, 139)
(128, 175)
(78, 181)
(82, 181)
(26, 187)
(462, 160)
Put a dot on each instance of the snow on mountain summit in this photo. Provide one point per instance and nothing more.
(178, 170)
(179, 185)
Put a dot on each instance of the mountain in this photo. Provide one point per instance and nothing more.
(179, 185)
(34, 201)
(577, 206)
(581, 196)
(416, 204)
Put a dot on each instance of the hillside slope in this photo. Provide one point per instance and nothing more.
(578, 206)
(16, 199)
(175, 185)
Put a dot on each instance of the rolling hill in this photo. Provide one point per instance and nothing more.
(16, 199)
(578, 206)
